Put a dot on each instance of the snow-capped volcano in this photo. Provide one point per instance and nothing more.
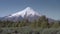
(27, 13)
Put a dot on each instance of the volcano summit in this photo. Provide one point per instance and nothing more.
(27, 13)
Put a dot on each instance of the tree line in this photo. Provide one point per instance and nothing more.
(42, 22)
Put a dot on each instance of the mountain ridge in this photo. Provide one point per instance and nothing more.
(27, 13)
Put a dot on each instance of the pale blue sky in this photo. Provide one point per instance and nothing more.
(50, 8)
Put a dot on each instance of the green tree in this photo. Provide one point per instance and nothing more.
(56, 25)
(44, 22)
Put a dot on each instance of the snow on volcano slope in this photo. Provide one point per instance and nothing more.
(27, 13)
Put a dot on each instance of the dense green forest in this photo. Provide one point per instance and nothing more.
(40, 26)
(42, 22)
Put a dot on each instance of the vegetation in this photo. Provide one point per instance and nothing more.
(40, 26)
(42, 22)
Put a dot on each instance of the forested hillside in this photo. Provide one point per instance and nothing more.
(40, 26)
(42, 22)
